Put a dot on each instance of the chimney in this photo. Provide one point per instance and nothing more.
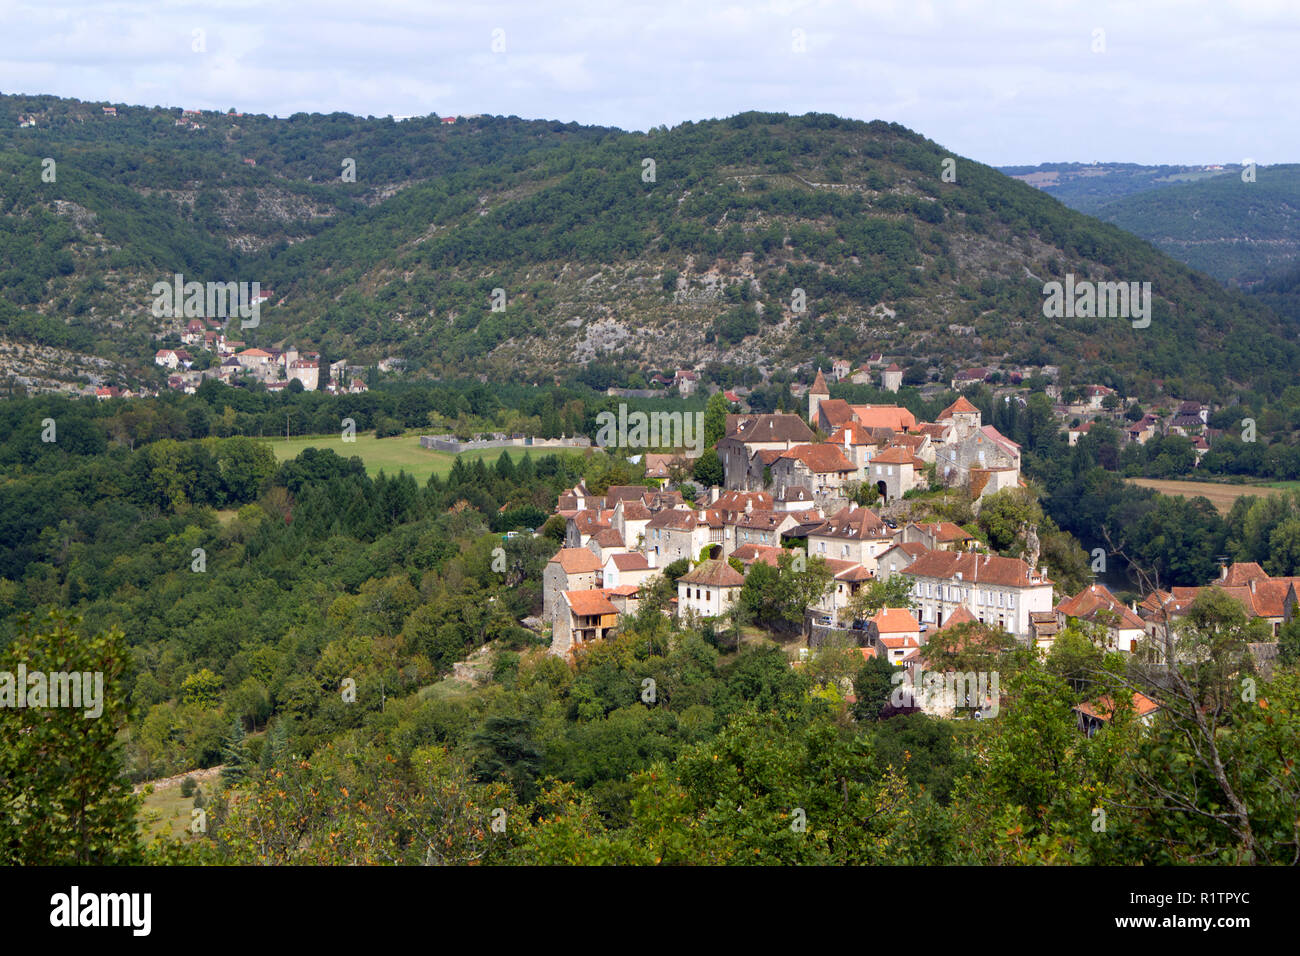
(1252, 585)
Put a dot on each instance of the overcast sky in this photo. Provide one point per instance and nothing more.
(1018, 81)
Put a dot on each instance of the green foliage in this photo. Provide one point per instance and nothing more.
(76, 808)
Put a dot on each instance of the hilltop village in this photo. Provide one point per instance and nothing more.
(788, 497)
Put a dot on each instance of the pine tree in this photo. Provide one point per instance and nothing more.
(235, 755)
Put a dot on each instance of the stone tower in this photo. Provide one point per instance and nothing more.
(815, 396)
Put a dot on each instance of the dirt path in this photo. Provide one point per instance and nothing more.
(166, 783)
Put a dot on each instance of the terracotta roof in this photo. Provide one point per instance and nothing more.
(895, 455)
(898, 642)
(633, 561)
(820, 458)
(819, 385)
(1243, 573)
(608, 538)
(885, 416)
(576, 560)
(766, 553)
(895, 620)
(1104, 707)
(960, 616)
(974, 569)
(835, 410)
(759, 520)
(713, 573)
(854, 524)
(634, 510)
(589, 603)
(945, 531)
(961, 405)
(1092, 602)
(678, 518)
(589, 521)
(855, 573)
(858, 434)
(739, 500)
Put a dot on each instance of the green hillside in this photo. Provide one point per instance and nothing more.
(1239, 232)
(601, 256)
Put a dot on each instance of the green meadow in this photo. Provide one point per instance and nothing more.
(391, 455)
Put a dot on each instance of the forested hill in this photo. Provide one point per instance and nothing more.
(645, 250)
(1242, 231)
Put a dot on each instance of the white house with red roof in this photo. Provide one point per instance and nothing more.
(997, 591)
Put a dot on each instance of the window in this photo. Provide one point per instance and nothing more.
(1011, 600)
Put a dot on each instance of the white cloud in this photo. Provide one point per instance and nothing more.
(1002, 82)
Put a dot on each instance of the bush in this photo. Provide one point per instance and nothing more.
(188, 786)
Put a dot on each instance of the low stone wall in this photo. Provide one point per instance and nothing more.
(438, 443)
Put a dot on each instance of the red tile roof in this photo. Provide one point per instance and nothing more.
(634, 561)
(974, 568)
(820, 458)
(576, 560)
(895, 620)
(589, 603)
(961, 405)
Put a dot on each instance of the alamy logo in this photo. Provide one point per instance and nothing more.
(102, 909)
(79, 690)
(208, 300)
(650, 429)
(1099, 300)
(947, 690)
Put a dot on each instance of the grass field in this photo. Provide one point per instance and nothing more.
(1221, 496)
(390, 455)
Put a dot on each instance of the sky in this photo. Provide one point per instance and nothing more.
(1011, 82)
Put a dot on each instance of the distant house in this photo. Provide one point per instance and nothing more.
(893, 631)
(1096, 605)
(686, 382)
(1095, 395)
(997, 591)
(891, 378)
(109, 110)
(710, 589)
(971, 376)
(625, 568)
(589, 615)
(851, 534)
(571, 569)
(747, 435)
(821, 468)
(1097, 714)
(173, 358)
(448, 120)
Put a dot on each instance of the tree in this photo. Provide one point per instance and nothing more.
(708, 468)
(873, 686)
(235, 755)
(63, 798)
(880, 593)
(715, 420)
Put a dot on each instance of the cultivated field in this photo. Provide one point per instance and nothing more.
(391, 455)
(1221, 496)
